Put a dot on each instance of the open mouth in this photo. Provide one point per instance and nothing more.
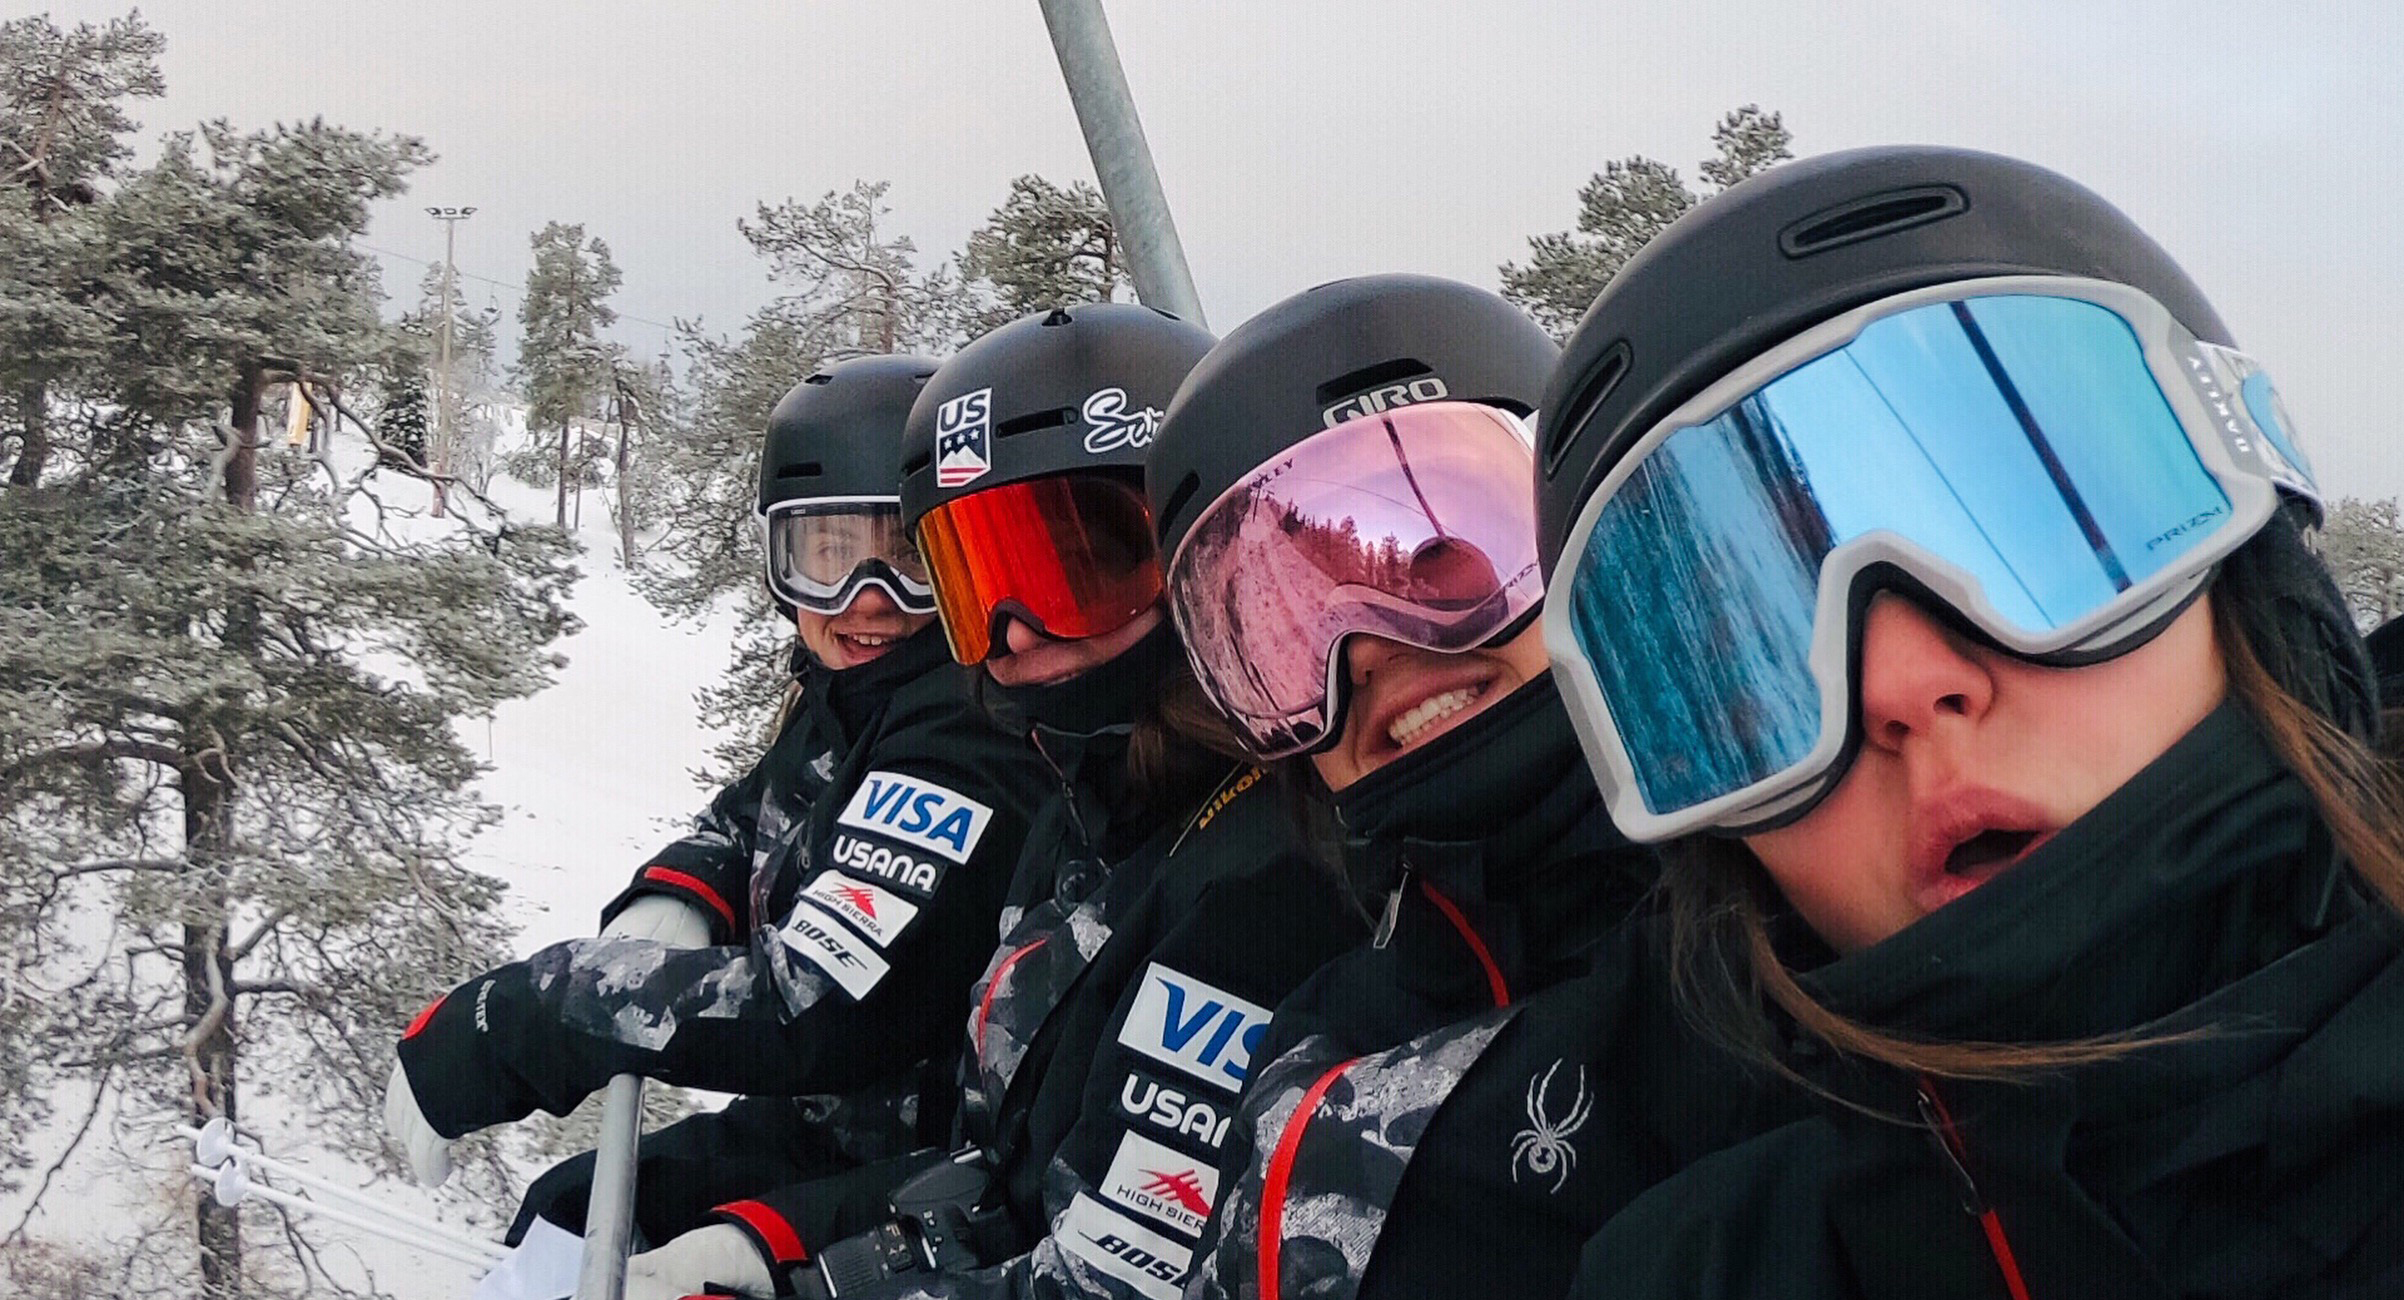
(864, 645)
(1416, 720)
(1990, 848)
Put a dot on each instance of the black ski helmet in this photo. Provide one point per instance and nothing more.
(1346, 348)
(1073, 388)
(1801, 243)
(838, 433)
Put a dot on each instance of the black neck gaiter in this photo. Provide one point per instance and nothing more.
(2207, 865)
(1507, 789)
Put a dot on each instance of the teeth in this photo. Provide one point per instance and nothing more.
(1429, 711)
(865, 639)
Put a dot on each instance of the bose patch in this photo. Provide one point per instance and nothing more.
(1126, 1250)
(1161, 1184)
(1208, 1033)
(918, 813)
(872, 911)
(825, 944)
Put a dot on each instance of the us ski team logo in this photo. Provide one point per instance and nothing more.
(964, 439)
(921, 814)
(1161, 1184)
(874, 912)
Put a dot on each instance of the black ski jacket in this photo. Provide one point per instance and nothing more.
(883, 903)
(1429, 1123)
(2258, 1153)
(1120, 1015)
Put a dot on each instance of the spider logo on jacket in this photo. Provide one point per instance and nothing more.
(1544, 1146)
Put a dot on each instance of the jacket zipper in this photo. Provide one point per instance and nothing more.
(1954, 1156)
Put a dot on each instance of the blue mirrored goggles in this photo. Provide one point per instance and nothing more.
(2057, 460)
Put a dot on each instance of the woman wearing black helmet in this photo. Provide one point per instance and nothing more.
(1165, 899)
(1342, 486)
(879, 706)
(1929, 578)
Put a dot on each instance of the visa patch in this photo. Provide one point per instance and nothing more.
(1161, 1184)
(1124, 1249)
(877, 913)
(964, 439)
(918, 813)
(1205, 1031)
(825, 944)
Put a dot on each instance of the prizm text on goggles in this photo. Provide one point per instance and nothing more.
(2057, 459)
(1416, 524)
(822, 553)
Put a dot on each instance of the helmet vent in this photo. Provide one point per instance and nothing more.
(820, 378)
(806, 469)
(1559, 427)
(1033, 421)
(1870, 218)
(1368, 377)
(1057, 316)
(917, 463)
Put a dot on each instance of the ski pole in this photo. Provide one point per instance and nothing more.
(231, 1186)
(213, 1145)
(609, 1208)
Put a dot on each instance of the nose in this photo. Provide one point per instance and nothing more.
(872, 602)
(1914, 675)
(1364, 654)
(1018, 638)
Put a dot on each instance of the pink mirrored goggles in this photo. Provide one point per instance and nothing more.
(1417, 525)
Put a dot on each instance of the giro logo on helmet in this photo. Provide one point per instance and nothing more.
(964, 439)
(1109, 425)
(1426, 388)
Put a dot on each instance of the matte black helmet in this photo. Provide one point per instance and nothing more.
(1801, 243)
(835, 436)
(1073, 388)
(838, 433)
(1344, 349)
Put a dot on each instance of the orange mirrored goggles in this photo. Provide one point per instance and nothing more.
(1071, 556)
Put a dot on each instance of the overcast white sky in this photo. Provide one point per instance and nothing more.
(1300, 141)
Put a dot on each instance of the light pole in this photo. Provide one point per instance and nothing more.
(450, 219)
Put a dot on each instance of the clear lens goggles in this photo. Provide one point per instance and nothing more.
(2056, 459)
(822, 554)
(1416, 525)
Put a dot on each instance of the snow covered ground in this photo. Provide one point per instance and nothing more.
(590, 776)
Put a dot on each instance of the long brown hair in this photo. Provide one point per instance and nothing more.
(1720, 903)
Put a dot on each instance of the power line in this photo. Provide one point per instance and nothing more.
(514, 286)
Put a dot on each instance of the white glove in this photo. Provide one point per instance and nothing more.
(663, 920)
(720, 1253)
(429, 1152)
